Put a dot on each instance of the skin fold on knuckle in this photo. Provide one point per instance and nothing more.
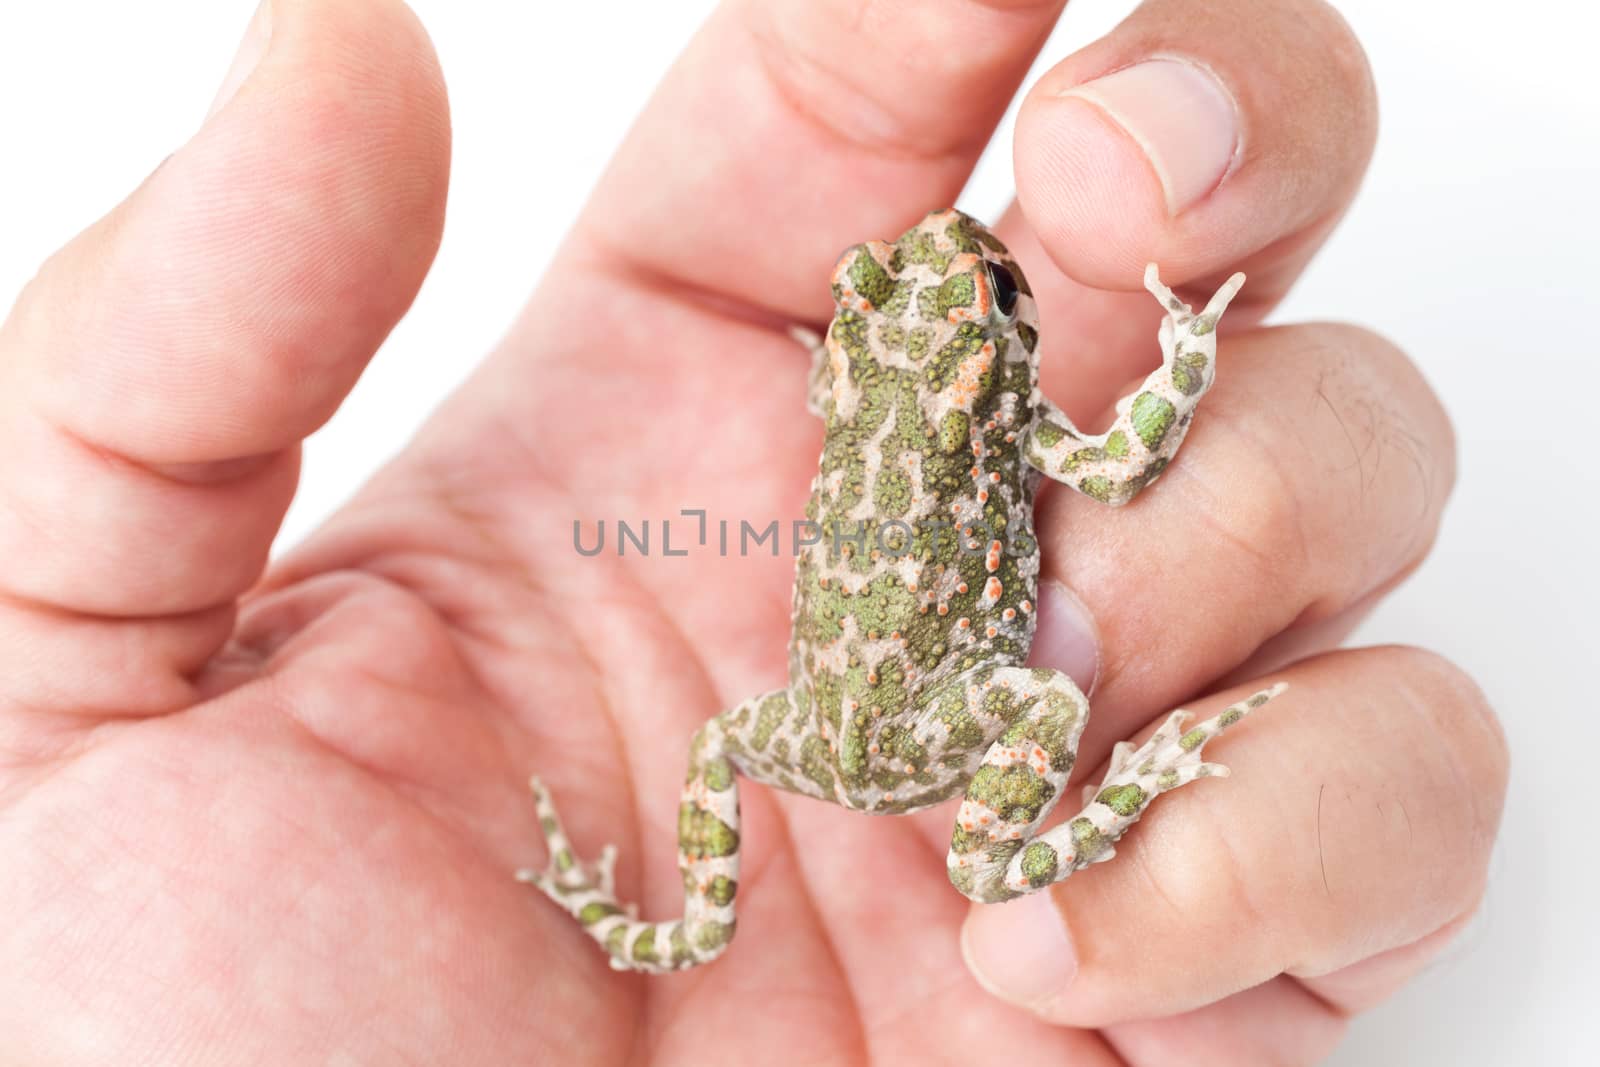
(1407, 803)
(1472, 745)
(1400, 445)
(1337, 422)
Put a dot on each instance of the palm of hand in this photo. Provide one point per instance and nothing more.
(332, 836)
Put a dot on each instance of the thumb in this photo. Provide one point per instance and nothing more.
(158, 374)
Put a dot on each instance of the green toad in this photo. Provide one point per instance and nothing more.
(914, 613)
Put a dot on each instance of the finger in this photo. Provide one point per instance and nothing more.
(1207, 138)
(1276, 1022)
(1314, 477)
(1357, 819)
(160, 371)
(813, 125)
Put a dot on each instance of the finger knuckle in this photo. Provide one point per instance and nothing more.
(1462, 747)
(1458, 710)
(1389, 452)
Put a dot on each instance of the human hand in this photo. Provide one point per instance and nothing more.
(277, 822)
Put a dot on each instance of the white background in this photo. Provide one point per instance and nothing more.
(1472, 245)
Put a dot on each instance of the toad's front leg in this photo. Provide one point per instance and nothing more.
(1114, 466)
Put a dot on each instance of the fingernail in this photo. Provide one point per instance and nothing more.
(251, 49)
(1020, 951)
(1182, 117)
(1066, 638)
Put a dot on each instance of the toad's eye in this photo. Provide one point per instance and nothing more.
(1004, 288)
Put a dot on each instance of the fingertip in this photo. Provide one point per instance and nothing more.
(1021, 952)
(1106, 166)
(162, 368)
(228, 305)
(1087, 190)
(1199, 136)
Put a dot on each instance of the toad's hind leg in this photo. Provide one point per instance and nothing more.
(708, 856)
(1012, 859)
(1022, 772)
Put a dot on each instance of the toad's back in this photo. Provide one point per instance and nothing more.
(924, 562)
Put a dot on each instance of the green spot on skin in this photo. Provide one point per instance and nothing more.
(850, 331)
(953, 430)
(918, 246)
(701, 834)
(963, 878)
(900, 745)
(892, 493)
(1001, 704)
(1229, 717)
(1097, 488)
(965, 733)
(870, 279)
(681, 952)
(1047, 435)
(1015, 793)
(721, 890)
(644, 946)
(1192, 740)
(853, 744)
(616, 940)
(1039, 864)
(956, 292)
(711, 936)
(719, 775)
(814, 764)
(1117, 445)
(1168, 780)
(1087, 839)
(774, 709)
(942, 370)
(968, 235)
(1051, 731)
(1125, 800)
(1188, 373)
(564, 860)
(1082, 457)
(594, 911)
(1152, 417)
